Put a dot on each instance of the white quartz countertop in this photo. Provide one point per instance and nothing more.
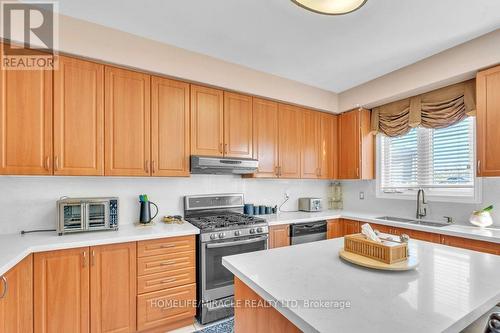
(471, 232)
(15, 247)
(450, 288)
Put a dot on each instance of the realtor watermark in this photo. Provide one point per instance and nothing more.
(32, 29)
(165, 304)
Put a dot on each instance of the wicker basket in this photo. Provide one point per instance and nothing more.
(387, 252)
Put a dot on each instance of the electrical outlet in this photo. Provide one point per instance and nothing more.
(361, 195)
(287, 195)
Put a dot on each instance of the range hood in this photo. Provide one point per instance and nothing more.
(223, 166)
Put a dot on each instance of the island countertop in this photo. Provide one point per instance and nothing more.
(449, 289)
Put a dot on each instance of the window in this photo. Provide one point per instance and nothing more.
(439, 160)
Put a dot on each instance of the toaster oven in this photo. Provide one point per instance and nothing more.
(87, 214)
(310, 204)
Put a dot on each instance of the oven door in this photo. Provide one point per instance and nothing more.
(216, 281)
(97, 215)
(71, 217)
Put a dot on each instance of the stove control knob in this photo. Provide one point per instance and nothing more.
(252, 231)
(237, 233)
(213, 236)
(222, 235)
(259, 229)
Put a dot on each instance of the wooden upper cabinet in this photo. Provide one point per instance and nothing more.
(25, 122)
(237, 125)
(61, 291)
(16, 307)
(78, 118)
(356, 145)
(207, 121)
(127, 123)
(488, 116)
(265, 137)
(311, 141)
(290, 132)
(328, 146)
(113, 293)
(169, 127)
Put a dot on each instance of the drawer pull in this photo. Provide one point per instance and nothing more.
(5, 287)
(169, 280)
(166, 246)
(167, 263)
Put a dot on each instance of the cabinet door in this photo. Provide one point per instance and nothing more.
(349, 145)
(335, 229)
(265, 137)
(207, 121)
(16, 306)
(169, 128)
(237, 125)
(25, 122)
(351, 227)
(328, 146)
(488, 116)
(290, 130)
(279, 236)
(311, 141)
(61, 291)
(471, 244)
(78, 118)
(113, 295)
(127, 123)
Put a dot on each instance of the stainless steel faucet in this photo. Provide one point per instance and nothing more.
(421, 209)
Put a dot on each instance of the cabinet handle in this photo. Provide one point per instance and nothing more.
(84, 254)
(276, 170)
(167, 263)
(56, 163)
(478, 167)
(47, 163)
(92, 259)
(357, 172)
(167, 246)
(169, 280)
(279, 171)
(146, 166)
(153, 166)
(220, 148)
(225, 148)
(5, 287)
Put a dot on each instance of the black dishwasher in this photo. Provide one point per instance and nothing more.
(307, 232)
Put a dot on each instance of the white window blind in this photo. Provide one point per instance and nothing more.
(429, 158)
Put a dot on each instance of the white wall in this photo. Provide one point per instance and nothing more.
(30, 202)
(407, 208)
(451, 66)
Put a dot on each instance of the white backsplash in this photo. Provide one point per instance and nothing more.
(407, 208)
(30, 202)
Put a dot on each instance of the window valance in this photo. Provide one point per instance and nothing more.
(436, 109)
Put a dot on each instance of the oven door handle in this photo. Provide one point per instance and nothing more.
(246, 241)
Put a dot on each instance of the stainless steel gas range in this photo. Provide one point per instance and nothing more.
(224, 231)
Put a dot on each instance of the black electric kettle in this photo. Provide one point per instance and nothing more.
(145, 212)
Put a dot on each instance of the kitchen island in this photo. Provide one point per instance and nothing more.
(309, 288)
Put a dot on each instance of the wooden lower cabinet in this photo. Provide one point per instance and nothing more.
(166, 308)
(113, 288)
(334, 229)
(471, 244)
(351, 227)
(16, 305)
(166, 283)
(279, 236)
(261, 318)
(86, 289)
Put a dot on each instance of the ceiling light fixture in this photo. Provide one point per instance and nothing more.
(331, 7)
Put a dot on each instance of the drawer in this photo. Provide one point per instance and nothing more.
(166, 306)
(168, 279)
(165, 246)
(165, 263)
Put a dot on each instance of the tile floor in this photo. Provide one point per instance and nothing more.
(195, 327)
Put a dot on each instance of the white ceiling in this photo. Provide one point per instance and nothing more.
(276, 36)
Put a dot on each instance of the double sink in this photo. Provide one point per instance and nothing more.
(411, 221)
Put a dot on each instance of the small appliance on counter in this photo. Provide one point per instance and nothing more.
(145, 212)
(86, 214)
(310, 204)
